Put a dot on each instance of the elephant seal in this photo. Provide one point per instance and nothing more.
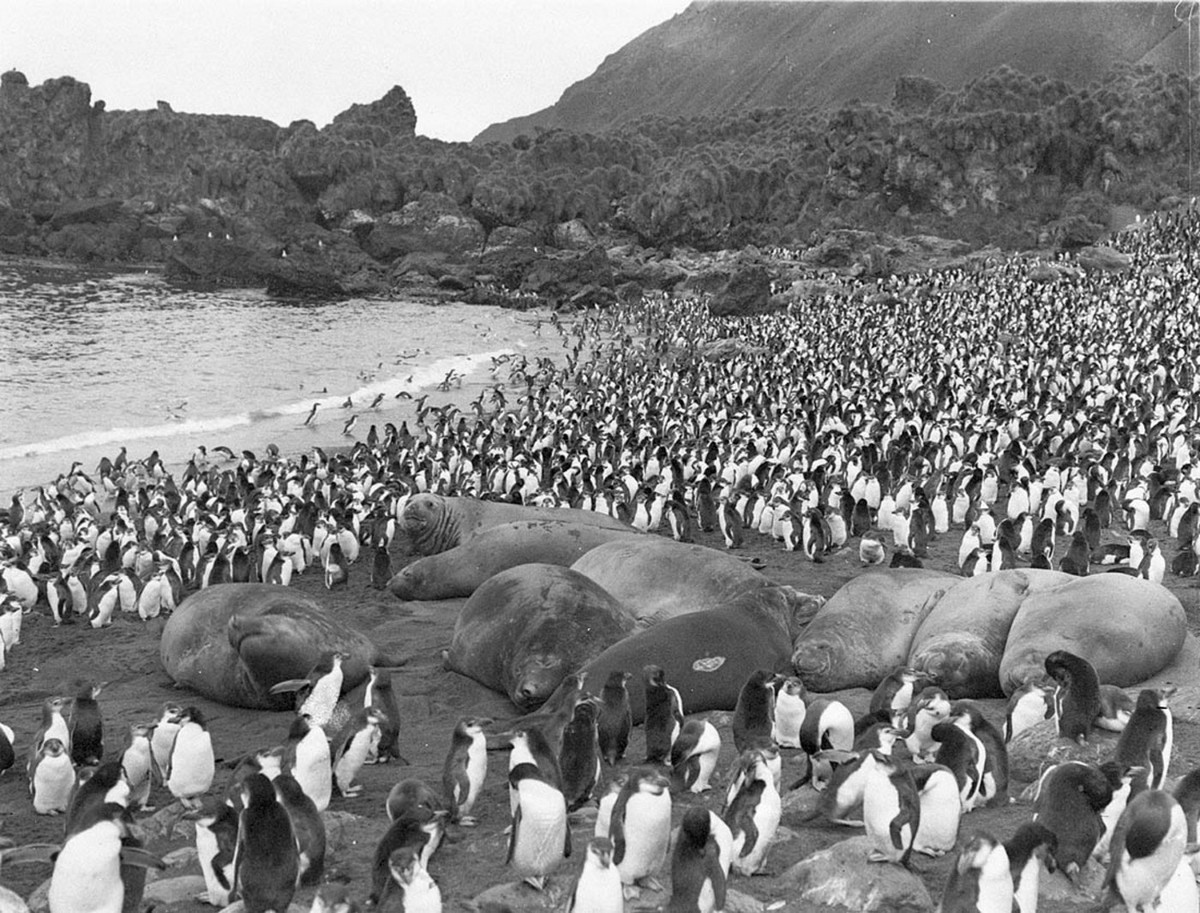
(866, 628)
(430, 523)
(527, 628)
(658, 578)
(233, 641)
(961, 640)
(1127, 628)
(707, 656)
(461, 570)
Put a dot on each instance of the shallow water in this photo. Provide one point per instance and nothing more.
(91, 361)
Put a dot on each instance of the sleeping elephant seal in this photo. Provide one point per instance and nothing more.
(527, 628)
(707, 656)
(658, 578)
(962, 639)
(1127, 628)
(430, 523)
(232, 642)
(461, 570)
(866, 628)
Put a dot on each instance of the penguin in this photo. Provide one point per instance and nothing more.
(192, 764)
(962, 753)
(598, 888)
(1187, 794)
(840, 777)
(1042, 542)
(266, 860)
(87, 870)
(419, 892)
(694, 756)
(1078, 555)
(968, 716)
(827, 724)
(540, 840)
(411, 794)
(358, 738)
(579, 757)
(980, 881)
(891, 810)
(730, 522)
(216, 842)
(860, 518)
(871, 550)
(418, 828)
(51, 778)
(1148, 738)
(1027, 706)
(789, 712)
(941, 809)
(753, 811)
(95, 787)
(1121, 779)
(1077, 703)
(54, 726)
(754, 712)
(697, 878)
(639, 827)
(664, 715)
(162, 738)
(379, 693)
(897, 691)
(530, 746)
(332, 897)
(307, 758)
(1147, 848)
(307, 825)
(1069, 801)
(136, 765)
(465, 768)
(615, 720)
(815, 536)
(337, 568)
(86, 725)
(1028, 849)
(8, 757)
(971, 544)
(381, 568)
(317, 694)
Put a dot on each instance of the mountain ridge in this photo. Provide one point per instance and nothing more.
(721, 55)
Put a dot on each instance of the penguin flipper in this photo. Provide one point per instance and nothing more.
(567, 844)
(514, 830)
(291, 684)
(33, 852)
(140, 858)
(716, 874)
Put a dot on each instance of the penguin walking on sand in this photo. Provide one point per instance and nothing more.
(86, 725)
(51, 778)
(358, 738)
(615, 720)
(465, 768)
(664, 715)
(697, 878)
(752, 812)
(539, 840)
(980, 881)
(694, 756)
(640, 829)
(266, 863)
(598, 889)
(1147, 848)
(192, 764)
(891, 811)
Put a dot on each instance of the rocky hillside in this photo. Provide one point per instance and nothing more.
(728, 55)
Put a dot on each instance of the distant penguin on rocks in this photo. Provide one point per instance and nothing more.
(615, 720)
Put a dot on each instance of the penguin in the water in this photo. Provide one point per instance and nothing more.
(790, 711)
(615, 720)
(891, 810)
(1147, 847)
(465, 768)
(754, 713)
(86, 725)
(640, 829)
(694, 756)
(980, 881)
(267, 859)
(664, 715)
(598, 889)
(1077, 703)
(1149, 736)
(579, 758)
(697, 878)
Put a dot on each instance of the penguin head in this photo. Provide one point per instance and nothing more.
(257, 792)
(139, 731)
(472, 726)
(600, 850)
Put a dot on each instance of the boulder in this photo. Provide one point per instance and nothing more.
(841, 876)
(431, 223)
(1039, 746)
(1103, 259)
(747, 291)
(181, 889)
(573, 235)
(215, 261)
(562, 274)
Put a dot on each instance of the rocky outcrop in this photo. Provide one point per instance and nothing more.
(841, 877)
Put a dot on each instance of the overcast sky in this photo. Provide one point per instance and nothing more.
(465, 63)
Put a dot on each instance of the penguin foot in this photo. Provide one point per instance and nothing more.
(350, 792)
(650, 883)
(537, 882)
(930, 851)
(468, 821)
(630, 891)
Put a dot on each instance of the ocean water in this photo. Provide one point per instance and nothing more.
(91, 361)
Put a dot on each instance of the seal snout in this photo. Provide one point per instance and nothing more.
(811, 658)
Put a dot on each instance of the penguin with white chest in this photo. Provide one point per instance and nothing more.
(640, 829)
(753, 812)
(941, 809)
(980, 881)
(1148, 737)
(358, 738)
(891, 811)
(598, 889)
(137, 764)
(162, 738)
(192, 764)
(216, 844)
(540, 840)
(307, 758)
(694, 756)
(1028, 850)
(51, 778)
(790, 709)
(419, 892)
(317, 694)
(1028, 706)
(1147, 848)
(697, 878)
(962, 753)
(465, 768)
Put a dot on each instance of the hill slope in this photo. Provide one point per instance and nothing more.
(716, 56)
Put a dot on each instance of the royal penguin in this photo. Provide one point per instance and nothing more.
(980, 881)
(51, 778)
(162, 738)
(354, 744)
(539, 840)
(216, 842)
(964, 755)
(317, 694)
(664, 715)
(378, 693)
(754, 712)
(418, 891)
(930, 708)
(95, 787)
(307, 825)
(1147, 848)
(639, 827)
(137, 765)
(86, 725)
(1148, 738)
(1122, 780)
(968, 716)
(192, 764)
(697, 877)
(1030, 847)
(790, 707)
(1115, 708)
(598, 888)
(579, 757)
(941, 809)
(266, 862)
(1187, 794)
(891, 810)
(827, 724)
(1077, 702)
(307, 758)
(897, 691)
(615, 720)
(1028, 706)
(465, 768)
(1070, 799)
(54, 726)
(694, 756)
(752, 812)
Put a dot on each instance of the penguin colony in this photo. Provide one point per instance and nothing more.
(1081, 421)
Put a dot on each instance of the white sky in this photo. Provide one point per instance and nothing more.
(464, 63)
